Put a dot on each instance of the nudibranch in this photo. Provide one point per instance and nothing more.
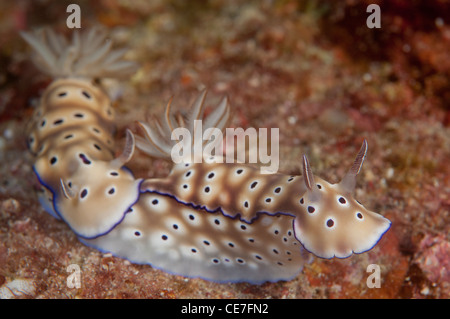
(328, 221)
(225, 222)
(71, 133)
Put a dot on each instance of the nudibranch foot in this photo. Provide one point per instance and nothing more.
(194, 243)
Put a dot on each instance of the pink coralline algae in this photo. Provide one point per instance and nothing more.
(433, 257)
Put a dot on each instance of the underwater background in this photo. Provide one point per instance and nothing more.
(314, 69)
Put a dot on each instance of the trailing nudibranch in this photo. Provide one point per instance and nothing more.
(71, 133)
(218, 221)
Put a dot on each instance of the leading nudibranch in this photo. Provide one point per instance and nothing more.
(328, 221)
(218, 221)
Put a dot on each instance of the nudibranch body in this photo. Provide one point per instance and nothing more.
(224, 222)
(328, 221)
